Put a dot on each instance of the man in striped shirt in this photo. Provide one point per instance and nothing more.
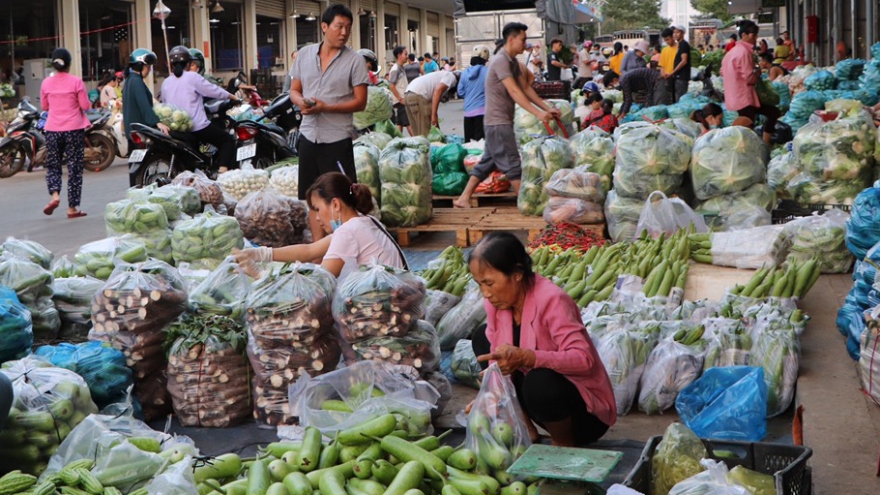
(645, 79)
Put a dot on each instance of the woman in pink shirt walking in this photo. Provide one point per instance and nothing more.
(64, 97)
(534, 332)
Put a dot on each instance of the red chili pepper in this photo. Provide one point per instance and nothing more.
(567, 235)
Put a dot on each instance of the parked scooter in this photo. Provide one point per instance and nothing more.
(100, 148)
(24, 144)
(265, 143)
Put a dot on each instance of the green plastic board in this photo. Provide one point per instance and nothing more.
(564, 463)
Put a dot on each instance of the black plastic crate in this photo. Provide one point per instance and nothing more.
(555, 90)
(787, 463)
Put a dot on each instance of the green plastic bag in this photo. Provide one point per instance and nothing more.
(449, 158)
(450, 184)
(766, 95)
(389, 128)
(436, 136)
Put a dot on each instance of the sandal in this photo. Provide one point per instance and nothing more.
(50, 208)
(78, 214)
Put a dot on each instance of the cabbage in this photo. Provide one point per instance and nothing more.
(387, 127)
(175, 118)
(595, 148)
(527, 124)
(683, 125)
(540, 159)
(366, 165)
(377, 139)
(379, 108)
(622, 215)
(821, 81)
(781, 170)
(405, 174)
(614, 95)
(650, 158)
(727, 160)
(737, 211)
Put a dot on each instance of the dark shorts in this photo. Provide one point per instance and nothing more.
(399, 116)
(473, 128)
(317, 159)
(501, 152)
(769, 112)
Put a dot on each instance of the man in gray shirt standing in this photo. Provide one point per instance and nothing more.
(506, 85)
(329, 83)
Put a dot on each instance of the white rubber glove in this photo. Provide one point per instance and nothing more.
(256, 255)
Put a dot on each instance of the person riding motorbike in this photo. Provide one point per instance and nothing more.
(199, 61)
(137, 100)
(372, 65)
(187, 90)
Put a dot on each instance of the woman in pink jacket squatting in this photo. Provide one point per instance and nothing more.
(534, 332)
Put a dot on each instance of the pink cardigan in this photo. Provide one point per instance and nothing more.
(64, 97)
(552, 327)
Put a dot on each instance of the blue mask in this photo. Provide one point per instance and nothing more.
(335, 224)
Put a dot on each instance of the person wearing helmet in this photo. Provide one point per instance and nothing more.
(187, 90)
(137, 100)
(198, 59)
(372, 64)
(471, 87)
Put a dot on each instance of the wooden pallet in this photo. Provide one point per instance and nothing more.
(458, 220)
(510, 219)
(477, 200)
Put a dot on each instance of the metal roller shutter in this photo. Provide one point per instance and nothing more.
(392, 9)
(369, 5)
(270, 8)
(413, 14)
(433, 24)
(306, 7)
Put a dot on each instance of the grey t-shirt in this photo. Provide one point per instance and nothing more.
(333, 85)
(499, 104)
(412, 71)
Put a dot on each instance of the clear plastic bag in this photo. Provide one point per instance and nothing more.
(727, 161)
(238, 183)
(286, 180)
(713, 481)
(670, 368)
(16, 332)
(176, 479)
(461, 321)
(33, 285)
(101, 366)
(377, 139)
(578, 183)
(676, 458)
(437, 304)
(406, 177)
(624, 352)
(223, 292)
(175, 200)
(622, 215)
(206, 239)
(134, 217)
(73, 299)
(778, 352)
(823, 237)
(419, 348)
(541, 158)
(662, 215)
(730, 343)
(176, 118)
(726, 403)
(379, 108)
(269, 219)
(751, 248)
(209, 192)
(739, 211)
(650, 158)
(99, 258)
(780, 171)
(465, 366)
(48, 402)
(63, 268)
(756, 483)
(366, 164)
(28, 250)
(593, 149)
(579, 211)
(378, 301)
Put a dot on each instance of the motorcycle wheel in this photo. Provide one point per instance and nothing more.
(12, 158)
(262, 162)
(155, 169)
(100, 154)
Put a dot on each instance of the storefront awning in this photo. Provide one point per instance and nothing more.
(587, 12)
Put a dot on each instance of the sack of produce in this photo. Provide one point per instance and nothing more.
(176, 200)
(378, 301)
(496, 183)
(290, 327)
(822, 80)
(450, 177)
(676, 458)
(578, 183)
(683, 125)
(378, 108)
(158, 244)
(850, 69)
(738, 211)
(463, 319)
(366, 164)
(389, 129)
(465, 366)
(419, 348)
(780, 171)
(286, 180)
(48, 402)
(376, 138)
(863, 226)
(28, 250)
(238, 183)
(209, 192)
(525, 123)
(63, 268)
(822, 237)
(748, 249)
(438, 303)
(405, 174)
(177, 119)
(98, 259)
(33, 285)
(666, 216)
(624, 352)
(727, 403)
(223, 292)
(73, 300)
(131, 312)
(16, 333)
(650, 158)
(622, 214)
(496, 425)
(869, 359)
(208, 372)
(101, 366)
(541, 158)
(802, 107)
(729, 343)
(269, 219)
(206, 239)
(578, 211)
(778, 352)
(673, 364)
(727, 160)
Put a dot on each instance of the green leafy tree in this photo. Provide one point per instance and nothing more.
(713, 8)
(632, 14)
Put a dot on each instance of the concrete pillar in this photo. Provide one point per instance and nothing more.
(201, 31)
(355, 38)
(142, 35)
(380, 33)
(854, 32)
(423, 31)
(870, 21)
(290, 34)
(403, 29)
(68, 22)
(443, 48)
(249, 36)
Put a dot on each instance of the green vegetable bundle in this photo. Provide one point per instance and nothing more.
(28, 250)
(436, 136)
(778, 352)
(222, 293)
(649, 158)
(419, 348)
(134, 217)
(387, 128)
(676, 459)
(593, 148)
(33, 285)
(780, 171)
(525, 123)
(622, 214)
(727, 161)
(541, 158)
(822, 237)
(158, 244)
(736, 211)
(176, 200)
(175, 118)
(366, 164)
(752, 248)
(206, 239)
(98, 259)
(376, 138)
(448, 272)
(73, 299)
(405, 174)
(729, 343)
(379, 108)
(465, 366)
(624, 353)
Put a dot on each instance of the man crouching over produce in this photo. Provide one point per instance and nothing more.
(534, 332)
(355, 238)
(505, 85)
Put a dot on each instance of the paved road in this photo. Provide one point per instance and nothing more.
(23, 197)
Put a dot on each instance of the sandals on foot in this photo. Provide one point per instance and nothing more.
(78, 214)
(50, 208)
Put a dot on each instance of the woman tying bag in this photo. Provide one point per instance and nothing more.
(534, 332)
(355, 239)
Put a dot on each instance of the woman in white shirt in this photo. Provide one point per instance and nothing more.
(355, 239)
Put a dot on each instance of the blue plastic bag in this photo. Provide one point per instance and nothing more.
(102, 367)
(863, 226)
(727, 403)
(16, 331)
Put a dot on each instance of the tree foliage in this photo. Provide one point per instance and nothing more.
(632, 14)
(713, 8)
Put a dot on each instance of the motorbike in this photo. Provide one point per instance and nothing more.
(24, 144)
(264, 142)
(100, 149)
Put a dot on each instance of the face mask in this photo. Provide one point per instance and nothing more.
(335, 224)
(713, 127)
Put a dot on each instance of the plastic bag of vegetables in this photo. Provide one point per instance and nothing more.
(447, 163)
(268, 219)
(676, 458)
(594, 149)
(73, 299)
(624, 352)
(33, 285)
(622, 214)
(377, 139)
(823, 237)
(578, 183)
(461, 321)
(496, 428)
(672, 365)
(16, 333)
(28, 250)
(366, 164)
(802, 107)
(650, 158)
(286, 180)
(101, 366)
(48, 402)
(206, 239)
(158, 244)
(726, 161)
(714, 480)
(863, 226)
(541, 158)
(378, 301)
(778, 352)
(729, 343)
(97, 259)
(176, 118)
(436, 136)
(419, 348)
(378, 108)
(821, 81)
(389, 129)
(405, 174)
(573, 210)
(134, 217)
(465, 366)
(437, 304)
(738, 211)
(209, 192)
(526, 123)
(780, 171)
(238, 183)
(223, 292)
(176, 200)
